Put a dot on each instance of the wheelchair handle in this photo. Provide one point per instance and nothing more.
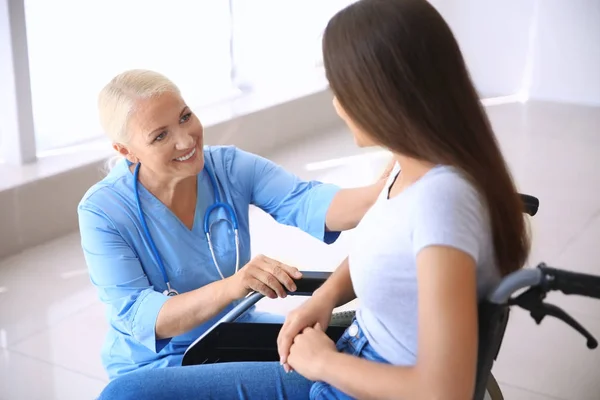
(531, 204)
(570, 282)
(547, 279)
(521, 279)
(538, 282)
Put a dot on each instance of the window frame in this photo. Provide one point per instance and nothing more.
(17, 145)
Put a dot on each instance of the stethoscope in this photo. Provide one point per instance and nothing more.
(218, 204)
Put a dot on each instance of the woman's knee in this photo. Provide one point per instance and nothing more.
(324, 391)
(125, 387)
(142, 384)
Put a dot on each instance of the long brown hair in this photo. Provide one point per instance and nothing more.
(398, 72)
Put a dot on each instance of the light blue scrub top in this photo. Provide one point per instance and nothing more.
(115, 247)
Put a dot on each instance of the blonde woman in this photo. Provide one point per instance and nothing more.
(165, 232)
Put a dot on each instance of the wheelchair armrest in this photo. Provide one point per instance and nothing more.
(310, 281)
(227, 340)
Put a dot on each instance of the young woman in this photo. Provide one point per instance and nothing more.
(445, 229)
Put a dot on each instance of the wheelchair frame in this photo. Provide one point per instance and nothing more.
(228, 340)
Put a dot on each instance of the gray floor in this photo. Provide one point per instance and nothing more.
(52, 324)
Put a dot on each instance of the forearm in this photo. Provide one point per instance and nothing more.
(186, 311)
(364, 379)
(349, 206)
(338, 288)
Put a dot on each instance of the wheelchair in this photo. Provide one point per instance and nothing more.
(231, 341)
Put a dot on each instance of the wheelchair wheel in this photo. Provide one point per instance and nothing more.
(492, 390)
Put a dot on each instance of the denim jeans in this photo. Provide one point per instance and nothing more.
(243, 381)
(353, 342)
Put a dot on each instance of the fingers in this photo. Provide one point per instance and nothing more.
(271, 281)
(277, 274)
(388, 169)
(284, 342)
(309, 330)
(258, 286)
(287, 368)
(288, 332)
(283, 273)
(291, 271)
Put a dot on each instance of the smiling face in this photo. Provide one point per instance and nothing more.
(165, 137)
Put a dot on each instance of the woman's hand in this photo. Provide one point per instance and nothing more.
(316, 310)
(310, 352)
(349, 206)
(388, 170)
(265, 275)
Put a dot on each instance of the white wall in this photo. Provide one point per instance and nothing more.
(566, 64)
(494, 38)
(549, 48)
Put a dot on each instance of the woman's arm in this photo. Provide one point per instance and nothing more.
(149, 316)
(447, 351)
(136, 307)
(349, 206)
(186, 311)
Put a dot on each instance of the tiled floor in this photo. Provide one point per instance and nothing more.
(52, 325)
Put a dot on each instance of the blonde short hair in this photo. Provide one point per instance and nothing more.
(117, 99)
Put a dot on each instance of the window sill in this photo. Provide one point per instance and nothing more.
(248, 121)
(38, 201)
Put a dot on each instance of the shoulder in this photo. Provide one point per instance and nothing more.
(238, 167)
(230, 158)
(218, 154)
(447, 188)
(447, 209)
(107, 195)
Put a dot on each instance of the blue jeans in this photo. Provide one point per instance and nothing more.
(244, 381)
(353, 342)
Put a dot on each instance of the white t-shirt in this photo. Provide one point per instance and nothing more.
(441, 208)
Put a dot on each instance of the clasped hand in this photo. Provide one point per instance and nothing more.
(302, 343)
(310, 353)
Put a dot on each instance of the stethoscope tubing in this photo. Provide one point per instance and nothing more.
(206, 226)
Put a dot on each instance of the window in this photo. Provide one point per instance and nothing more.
(76, 47)
(278, 42)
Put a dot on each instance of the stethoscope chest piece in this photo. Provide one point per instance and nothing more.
(170, 292)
